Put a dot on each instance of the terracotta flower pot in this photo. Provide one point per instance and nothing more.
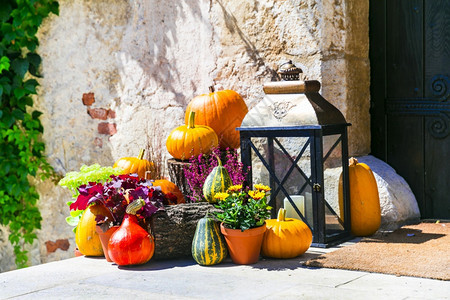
(104, 239)
(244, 246)
(77, 252)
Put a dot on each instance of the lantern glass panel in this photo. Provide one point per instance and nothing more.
(332, 164)
(288, 160)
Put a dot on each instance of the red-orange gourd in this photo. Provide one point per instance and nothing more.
(170, 187)
(223, 111)
(285, 237)
(142, 167)
(365, 211)
(86, 237)
(191, 140)
(131, 244)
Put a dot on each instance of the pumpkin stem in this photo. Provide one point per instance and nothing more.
(281, 215)
(211, 89)
(141, 154)
(352, 161)
(191, 123)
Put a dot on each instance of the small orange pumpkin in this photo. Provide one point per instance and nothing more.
(365, 211)
(223, 111)
(170, 187)
(190, 140)
(285, 237)
(86, 236)
(137, 165)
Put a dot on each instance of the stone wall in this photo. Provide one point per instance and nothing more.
(119, 74)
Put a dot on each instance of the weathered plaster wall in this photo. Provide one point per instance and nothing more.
(119, 73)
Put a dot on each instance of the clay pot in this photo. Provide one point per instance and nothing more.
(77, 252)
(244, 246)
(104, 239)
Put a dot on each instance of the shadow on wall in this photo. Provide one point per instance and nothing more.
(154, 56)
(250, 48)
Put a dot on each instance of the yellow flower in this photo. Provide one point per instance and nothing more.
(221, 196)
(257, 195)
(261, 187)
(235, 188)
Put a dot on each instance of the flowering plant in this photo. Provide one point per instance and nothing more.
(200, 167)
(243, 208)
(116, 194)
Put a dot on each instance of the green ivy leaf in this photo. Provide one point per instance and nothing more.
(21, 152)
(19, 93)
(5, 11)
(20, 66)
(4, 63)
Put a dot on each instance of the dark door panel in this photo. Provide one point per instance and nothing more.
(437, 171)
(410, 96)
(404, 48)
(405, 150)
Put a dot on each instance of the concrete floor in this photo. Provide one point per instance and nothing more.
(94, 278)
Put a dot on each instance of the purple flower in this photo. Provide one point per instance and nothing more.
(202, 165)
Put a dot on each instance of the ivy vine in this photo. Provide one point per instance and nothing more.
(21, 149)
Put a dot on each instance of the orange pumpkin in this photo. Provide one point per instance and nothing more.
(86, 237)
(365, 211)
(285, 237)
(190, 140)
(170, 187)
(137, 165)
(223, 111)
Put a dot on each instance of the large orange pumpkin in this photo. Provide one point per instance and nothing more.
(365, 211)
(285, 237)
(138, 165)
(191, 140)
(223, 111)
(86, 237)
(170, 187)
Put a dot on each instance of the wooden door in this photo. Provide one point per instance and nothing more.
(410, 96)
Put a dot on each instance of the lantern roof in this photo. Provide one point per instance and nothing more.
(292, 102)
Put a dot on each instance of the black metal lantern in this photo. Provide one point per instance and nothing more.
(296, 142)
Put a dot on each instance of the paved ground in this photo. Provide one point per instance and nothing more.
(94, 278)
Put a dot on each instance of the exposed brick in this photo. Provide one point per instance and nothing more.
(98, 113)
(107, 128)
(98, 142)
(88, 99)
(51, 246)
(62, 244)
(111, 114)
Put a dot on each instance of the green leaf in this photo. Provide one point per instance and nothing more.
(5, 11)
(20, 66)
(30, 86)
(19, 93)
(34, 59)
(18, 114)
(4, 63)
(72, 221)
(35, 115)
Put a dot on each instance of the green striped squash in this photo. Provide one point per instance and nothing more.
(218, 181)
(208, 245)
